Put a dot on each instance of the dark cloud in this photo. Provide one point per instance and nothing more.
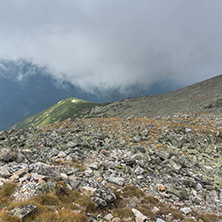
(105, 44)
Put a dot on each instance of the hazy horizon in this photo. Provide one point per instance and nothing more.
(115, 44)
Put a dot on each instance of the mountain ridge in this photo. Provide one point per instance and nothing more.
(27, 89)
(205, 96)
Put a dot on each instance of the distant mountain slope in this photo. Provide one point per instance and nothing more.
(205, 96)
(26, 89)
(68, 108)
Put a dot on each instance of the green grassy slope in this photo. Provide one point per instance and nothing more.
(69, 108)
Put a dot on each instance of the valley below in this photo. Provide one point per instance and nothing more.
(162, 168)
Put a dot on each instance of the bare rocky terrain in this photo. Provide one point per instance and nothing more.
(162, 168)
(204, 97)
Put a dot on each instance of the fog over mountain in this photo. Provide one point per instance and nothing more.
(108, 44)
(26, 89)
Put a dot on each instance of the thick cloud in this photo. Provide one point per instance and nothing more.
(104, 44)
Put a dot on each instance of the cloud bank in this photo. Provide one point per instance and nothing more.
(115, 44)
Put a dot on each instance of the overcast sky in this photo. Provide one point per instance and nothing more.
(115, 43)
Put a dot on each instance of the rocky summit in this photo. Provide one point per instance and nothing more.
(155, 169)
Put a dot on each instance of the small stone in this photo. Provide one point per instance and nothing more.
(137, 138)
(41, 146)
(209, 187)
(94, 166)
(139, 216)
(99, 202)
(188, 130)
(14, 178)
(88, 191)
(108, 217)
(115, 179)
(186, 210)
(161, 188)
(64, 176)
(180, 193)
(24, 178)
(104, 152)
(21, 172)
(155, 210)
(139, 170)
(37, 177)
(99, 179)
(116, 219)
(160, 220)
(7, 155)
(199, 187)
(5, 171)
(61, 154)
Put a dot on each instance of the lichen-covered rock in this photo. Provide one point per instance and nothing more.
(7, 155)
(23, 211)
(46, 170)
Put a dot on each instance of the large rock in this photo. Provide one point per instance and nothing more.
(7, 155)
(179, 192)
(139, 216)
(46, 170)
(115, 179)
(23, 211)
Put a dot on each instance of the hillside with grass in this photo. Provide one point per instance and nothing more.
(68, 108)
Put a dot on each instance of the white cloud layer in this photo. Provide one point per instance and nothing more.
(105, 44)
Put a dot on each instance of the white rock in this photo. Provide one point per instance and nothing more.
(37, 176)
(188, 130)
(21, 172)
(93, 166)
(108, 217)
(61, 154)
(199, 186)
(88, 191)
(139, 216)
(186, 210)
(64, 176)
(160, 220)
(155, 210)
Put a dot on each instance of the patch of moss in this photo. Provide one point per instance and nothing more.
(122, 212)
(5, 193)
(209, 217)
(175, 213)
(80, 166)
(131, 191)
(150, 200)
(47, 199)
(5, 217)
(63, 216)
(67, 196)
(147, 212)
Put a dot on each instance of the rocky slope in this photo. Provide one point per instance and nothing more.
(204, 97)
(136, 169)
